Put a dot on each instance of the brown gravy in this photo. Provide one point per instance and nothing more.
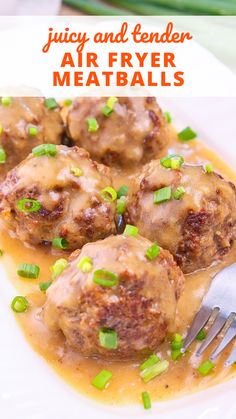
(126, 385)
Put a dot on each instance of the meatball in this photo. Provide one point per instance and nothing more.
(25, 123)
(66, 199)
(197, 224)
(136, 310)
(133, 133)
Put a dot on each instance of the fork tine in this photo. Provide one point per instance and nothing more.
(229, 336)
(232, 358)
(212, 333)
(198, 323)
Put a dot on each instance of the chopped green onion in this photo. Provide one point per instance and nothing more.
(1, 252)
(176, 354)
(168, 117)
(187, 134)
(152, 252)
(179, 192)
(108, 338)
(108, 194)
(58, 267)
(33, 131)
(152, 360)
(19, 304)
(2, 155)
(201, 335)
(85, 264)
(162, 195)
(146, 400)
(51, 103)
(206, 367)
(67, 102)
(172, 161)
(102, 379)
(105, 278)
(130, 230)
(49, 150)
(121, 205)
(153, 371)
(1, 129)
(6, 101)
(92, 124)
(109, 107)
(27, 270)
(28, 205)
(209, 168)
(60, 243)
(177, 342)
(76, 171)
(43, 286)
(122, 191)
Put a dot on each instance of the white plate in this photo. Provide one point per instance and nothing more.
(29, 388)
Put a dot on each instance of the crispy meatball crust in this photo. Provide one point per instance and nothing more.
(16, 119)
(134, 133)
(71, 206)
(198, 228)
(140, 308)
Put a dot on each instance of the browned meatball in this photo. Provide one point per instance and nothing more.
(25, 123)
(199, 227)
(71, 205)
(137, 309)
(135, 132)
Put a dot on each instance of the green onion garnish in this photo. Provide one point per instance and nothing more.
(108, 194)
(43, 286)
(176, 354)
(153, 371)
(108, 338)
(1, 252)
(92, 124)
(187, 134)
(51, 103)
(33, 131)
(67, 102)
(152, 252)
(121, 205)
(177, 341)
(122, 191)
(2, 156)
(168, 117)
(28, 270)
(109, 107)
(101, 380)
(28, 205)
(162, 195)
(152, 360)
(201, 335)
(206, 367)
(85, 264)
(60, 243)
(105, 278)
(209, 168)
(58, 267)
(76, 171)
(146, 400)
(49, 150)
(19, 304)
(1, 129)
(6, 101)
(179, 192)
(130, 230)
(172, 161)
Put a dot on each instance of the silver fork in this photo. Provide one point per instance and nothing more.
(219, 305)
